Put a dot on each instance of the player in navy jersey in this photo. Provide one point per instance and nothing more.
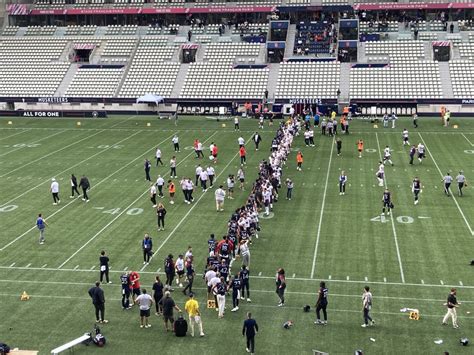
(322, 303)
(387, 202)
(236, 284)
(212, 243)
(125, 281)
(416, 189)
(223, 270)
(224, 249)
(245, 277)
(412, 154)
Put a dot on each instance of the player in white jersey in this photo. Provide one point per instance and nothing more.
(380, 173)
(387, 155)
(405, 137)
(421, 152)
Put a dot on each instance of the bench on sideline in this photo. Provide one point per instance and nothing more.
(72, 343)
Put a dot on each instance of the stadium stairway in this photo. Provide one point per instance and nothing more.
(178, 84)
(66, 80)
(344, 85)
(290, 41)
(361, 57)
(428, 50)
(446, 83)
(272, 80)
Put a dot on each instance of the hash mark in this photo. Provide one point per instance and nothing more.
(460, 283)
(441, 281)
(44, 266)
(12, 265)
(28, 265)
(384, 279)
(423, 282)
(347, 278)
(77, 267)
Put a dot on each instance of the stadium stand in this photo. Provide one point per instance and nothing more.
(95, 82)
(227, 52)
(466, 50)
(119, 47)
(396, 49)
(151, 70)
(407, 79)
(40, 30)
(462, 78)
(308, 80)
(10, 30)
(215, 80)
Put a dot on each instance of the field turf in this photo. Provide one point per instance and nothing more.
(410, 260)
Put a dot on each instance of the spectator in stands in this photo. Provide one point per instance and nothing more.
(451, 27)
(190, 34)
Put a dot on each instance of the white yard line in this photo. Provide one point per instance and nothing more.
(95, 185)
(121, 213)
(34, 142)
(187, 214)
(452, 195)
(49, 154)
(322, 209)
(472, 144)
(15, 134)
(68, 169)
(391, 219)
(343, 281)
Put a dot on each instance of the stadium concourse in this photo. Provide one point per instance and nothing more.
(276, 83)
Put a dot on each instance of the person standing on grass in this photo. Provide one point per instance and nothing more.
(241, 141)
(214, 153)
(135, 285)
(342, 183)
(257, 138)
(243, 155)
(203, 177)
(220, 289)
(415, 120)
(98, 300)
(230, 187)
(74, 189)
(321, 304)
(153, 195)
(85, 185)
(160, 182)
(338, 143)
(451, 304)
(412, 153)
(461, 180)
(211, 173)
(189, 190)
(171, 190)
(289, 189)
(54, 189)
(158, 295)
(245, 253)
(220, 196)
(104, 267)
(158, 156)
(192, 308)
(175, 141)
(299, 160)
(168, 306)
(145, 301)
(173, 167)
(125, 282)
(236, 284)
(387, 155)
(169, 270)
(241, 177)
(280, 286)
(160, 214)
(236, 123)
(366, 307)
(199, 149)
(250, 329)
(147, 247)
(360, 147)
(387, 202)
(147, 167)
(41, 225)
(179, 268)
(198, 172)
(405, 137)
(448, 179)
(190, 273)
(421, 152)
(416, 189)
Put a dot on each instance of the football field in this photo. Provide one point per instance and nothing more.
(409, 259)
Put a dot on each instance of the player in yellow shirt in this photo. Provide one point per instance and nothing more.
(192, 308)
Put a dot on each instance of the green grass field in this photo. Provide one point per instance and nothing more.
(411, 260)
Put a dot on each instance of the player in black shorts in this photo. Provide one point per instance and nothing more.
(245, 277)
(416, 188)
(387, 202)
(125, 281)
